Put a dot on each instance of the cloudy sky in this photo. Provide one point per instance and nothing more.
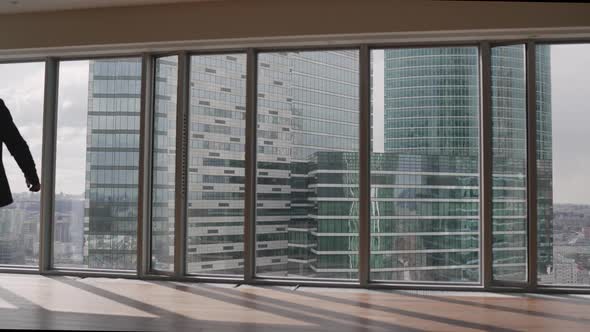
(21, 87)
(378, 100)
(570, 93)
(71, 121)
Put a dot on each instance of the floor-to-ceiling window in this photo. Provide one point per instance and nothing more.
(307, 194)
(216, 166)
(562, 160)
(164, 163)
(97, 163)
(509, 164)
(426, 153)
(425, 224)
(21, 89)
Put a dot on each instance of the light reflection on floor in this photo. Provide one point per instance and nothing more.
(32, 301)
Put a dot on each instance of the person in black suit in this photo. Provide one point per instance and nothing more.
(10, 136)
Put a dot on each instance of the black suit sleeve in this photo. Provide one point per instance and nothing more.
(17, 146)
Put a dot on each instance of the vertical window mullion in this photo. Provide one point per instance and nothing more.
(182, 139)
(48, 162)
(485, 199)
(250, 171)
(364, 164)
(145, 167)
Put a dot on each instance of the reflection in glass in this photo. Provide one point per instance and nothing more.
(95, 218)
(164, 164)
(307, 160)
(21, 88)
(425, 222)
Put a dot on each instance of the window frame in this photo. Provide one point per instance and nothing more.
(364, 44)
(17, 267)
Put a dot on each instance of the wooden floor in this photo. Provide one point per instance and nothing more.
(36, 302)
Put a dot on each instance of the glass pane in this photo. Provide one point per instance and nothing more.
(164, 164)
(425, 223)
(509, 202)
(563, 196)
(215, 230)
(95, 221)
(21, 88)
(307, 187)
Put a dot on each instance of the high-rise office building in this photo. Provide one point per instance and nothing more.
(164, 164)
(425, 176)
(216, 167)
(425, 180)
(430, 230)
(307, 189)
(112, 164)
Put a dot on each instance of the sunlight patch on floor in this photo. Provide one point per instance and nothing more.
(6, 305)
(164, 296)
(53, 295)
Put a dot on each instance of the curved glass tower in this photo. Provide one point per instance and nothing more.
(425, 180)
(425, 177)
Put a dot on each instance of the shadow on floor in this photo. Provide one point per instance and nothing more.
(332, 320)
(462, 302)
(397, 311)
(311, 310)
(168, 320)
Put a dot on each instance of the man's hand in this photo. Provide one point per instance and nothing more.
(34, 187)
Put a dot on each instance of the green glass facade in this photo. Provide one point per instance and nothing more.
(509, 166)
(431, 116)
(425, 183)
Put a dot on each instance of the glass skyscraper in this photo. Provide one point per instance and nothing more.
(307, 188)
(216, 164)
(425, 182)
(112, 164)
(425, 174)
